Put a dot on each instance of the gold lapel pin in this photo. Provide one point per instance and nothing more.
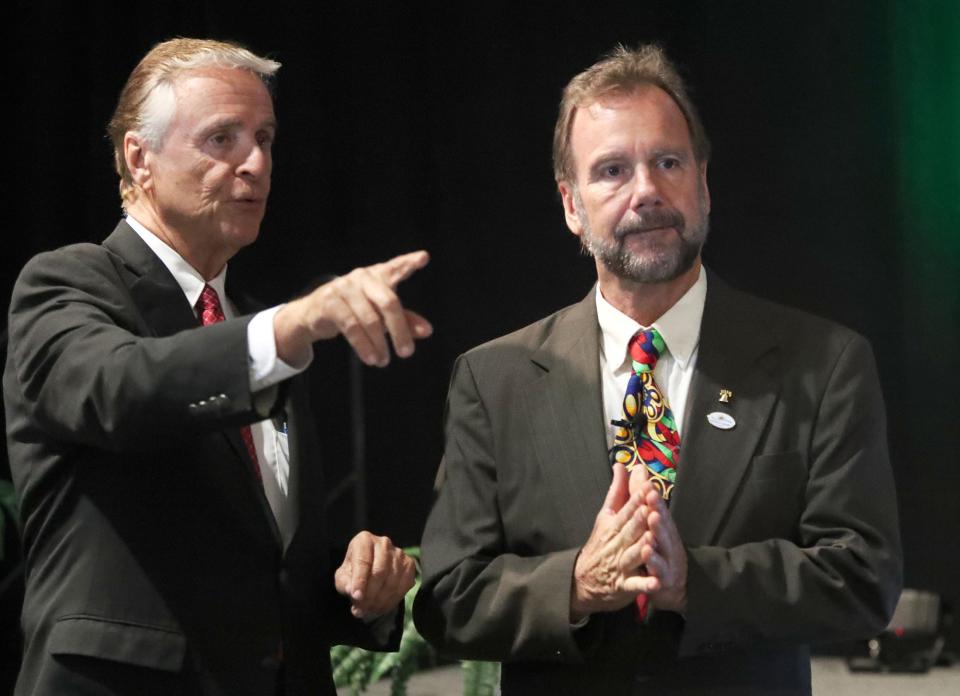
(725, 396)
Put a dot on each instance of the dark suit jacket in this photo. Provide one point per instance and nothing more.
(789, 519)
(154, 564)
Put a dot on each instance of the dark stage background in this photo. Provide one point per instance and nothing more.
(835, 187)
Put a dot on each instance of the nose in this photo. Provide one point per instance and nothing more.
(257, 163)
(645, 193)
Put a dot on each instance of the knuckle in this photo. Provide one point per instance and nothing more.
(389, 301)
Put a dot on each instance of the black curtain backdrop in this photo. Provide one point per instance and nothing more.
(414, 125)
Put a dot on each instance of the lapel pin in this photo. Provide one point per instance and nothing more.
(723, 421)
(725, 396)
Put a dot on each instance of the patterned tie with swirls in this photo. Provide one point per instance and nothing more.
(647, 434)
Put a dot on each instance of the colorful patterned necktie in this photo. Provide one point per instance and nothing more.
(647, 434)
(210, 311)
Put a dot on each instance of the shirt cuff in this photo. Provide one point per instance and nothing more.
(266, 369)
(382, 626)
(580, 624)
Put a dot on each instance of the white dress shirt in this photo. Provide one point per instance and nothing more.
(266, 371)
(680, 328)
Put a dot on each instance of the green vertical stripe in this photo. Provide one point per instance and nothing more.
(925, 47)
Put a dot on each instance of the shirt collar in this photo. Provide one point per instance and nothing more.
(187, 277)
(679, 326)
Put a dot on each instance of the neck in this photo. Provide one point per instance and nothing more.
(203, 257)
(645, 302)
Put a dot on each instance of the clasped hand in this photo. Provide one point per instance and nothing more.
(634, 548)
(375, 575)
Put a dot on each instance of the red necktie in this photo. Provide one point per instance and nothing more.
(210, 311)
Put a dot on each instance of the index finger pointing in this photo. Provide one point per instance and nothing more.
(399, 268)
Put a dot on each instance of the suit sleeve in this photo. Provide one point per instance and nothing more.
(88, 372)
(841, 576)
(478, 601)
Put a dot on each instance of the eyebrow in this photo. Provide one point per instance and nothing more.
(233, 123)
(615, 154)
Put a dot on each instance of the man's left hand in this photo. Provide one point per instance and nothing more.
(375, 575)
(662, 550)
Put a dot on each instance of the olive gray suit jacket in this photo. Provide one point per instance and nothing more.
(153, 561)
(789, 519)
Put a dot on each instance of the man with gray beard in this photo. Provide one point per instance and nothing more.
(671, 486)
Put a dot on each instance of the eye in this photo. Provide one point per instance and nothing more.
(265, 138)
(612, 171)
(220, 139)
(669, 163)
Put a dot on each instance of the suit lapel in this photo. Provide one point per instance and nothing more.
(165, 311)
(565, 411)
(737, 354)
(154, 290)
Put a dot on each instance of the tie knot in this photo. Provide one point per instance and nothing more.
(645, 348)
(208, 306)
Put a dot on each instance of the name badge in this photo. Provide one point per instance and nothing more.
(721, 420)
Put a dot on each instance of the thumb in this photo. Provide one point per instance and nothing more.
(619, 492)
(638, 476)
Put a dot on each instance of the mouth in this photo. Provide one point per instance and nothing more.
(620, 236)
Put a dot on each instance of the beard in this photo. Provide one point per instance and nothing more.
(660, 261)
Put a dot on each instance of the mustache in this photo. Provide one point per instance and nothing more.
(650, 219)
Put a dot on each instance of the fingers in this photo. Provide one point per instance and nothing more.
(366, 308)
(397, 581)
(641, 584)
(361, 326)
(362, 306)
(379, 574)
(420, 327)
(399, 268)
(664, 557)
(377, 310)
(360, 554)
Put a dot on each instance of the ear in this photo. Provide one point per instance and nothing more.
(569, 207)
(703, 184)
(135, 154)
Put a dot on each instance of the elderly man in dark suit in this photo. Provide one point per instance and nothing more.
(159, 436)
(749, 509)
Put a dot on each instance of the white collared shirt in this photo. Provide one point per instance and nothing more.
(266, 370)
(680, 328)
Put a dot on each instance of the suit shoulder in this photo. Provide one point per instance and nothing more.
(74, 265)
(68, 260)
(797, 327)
